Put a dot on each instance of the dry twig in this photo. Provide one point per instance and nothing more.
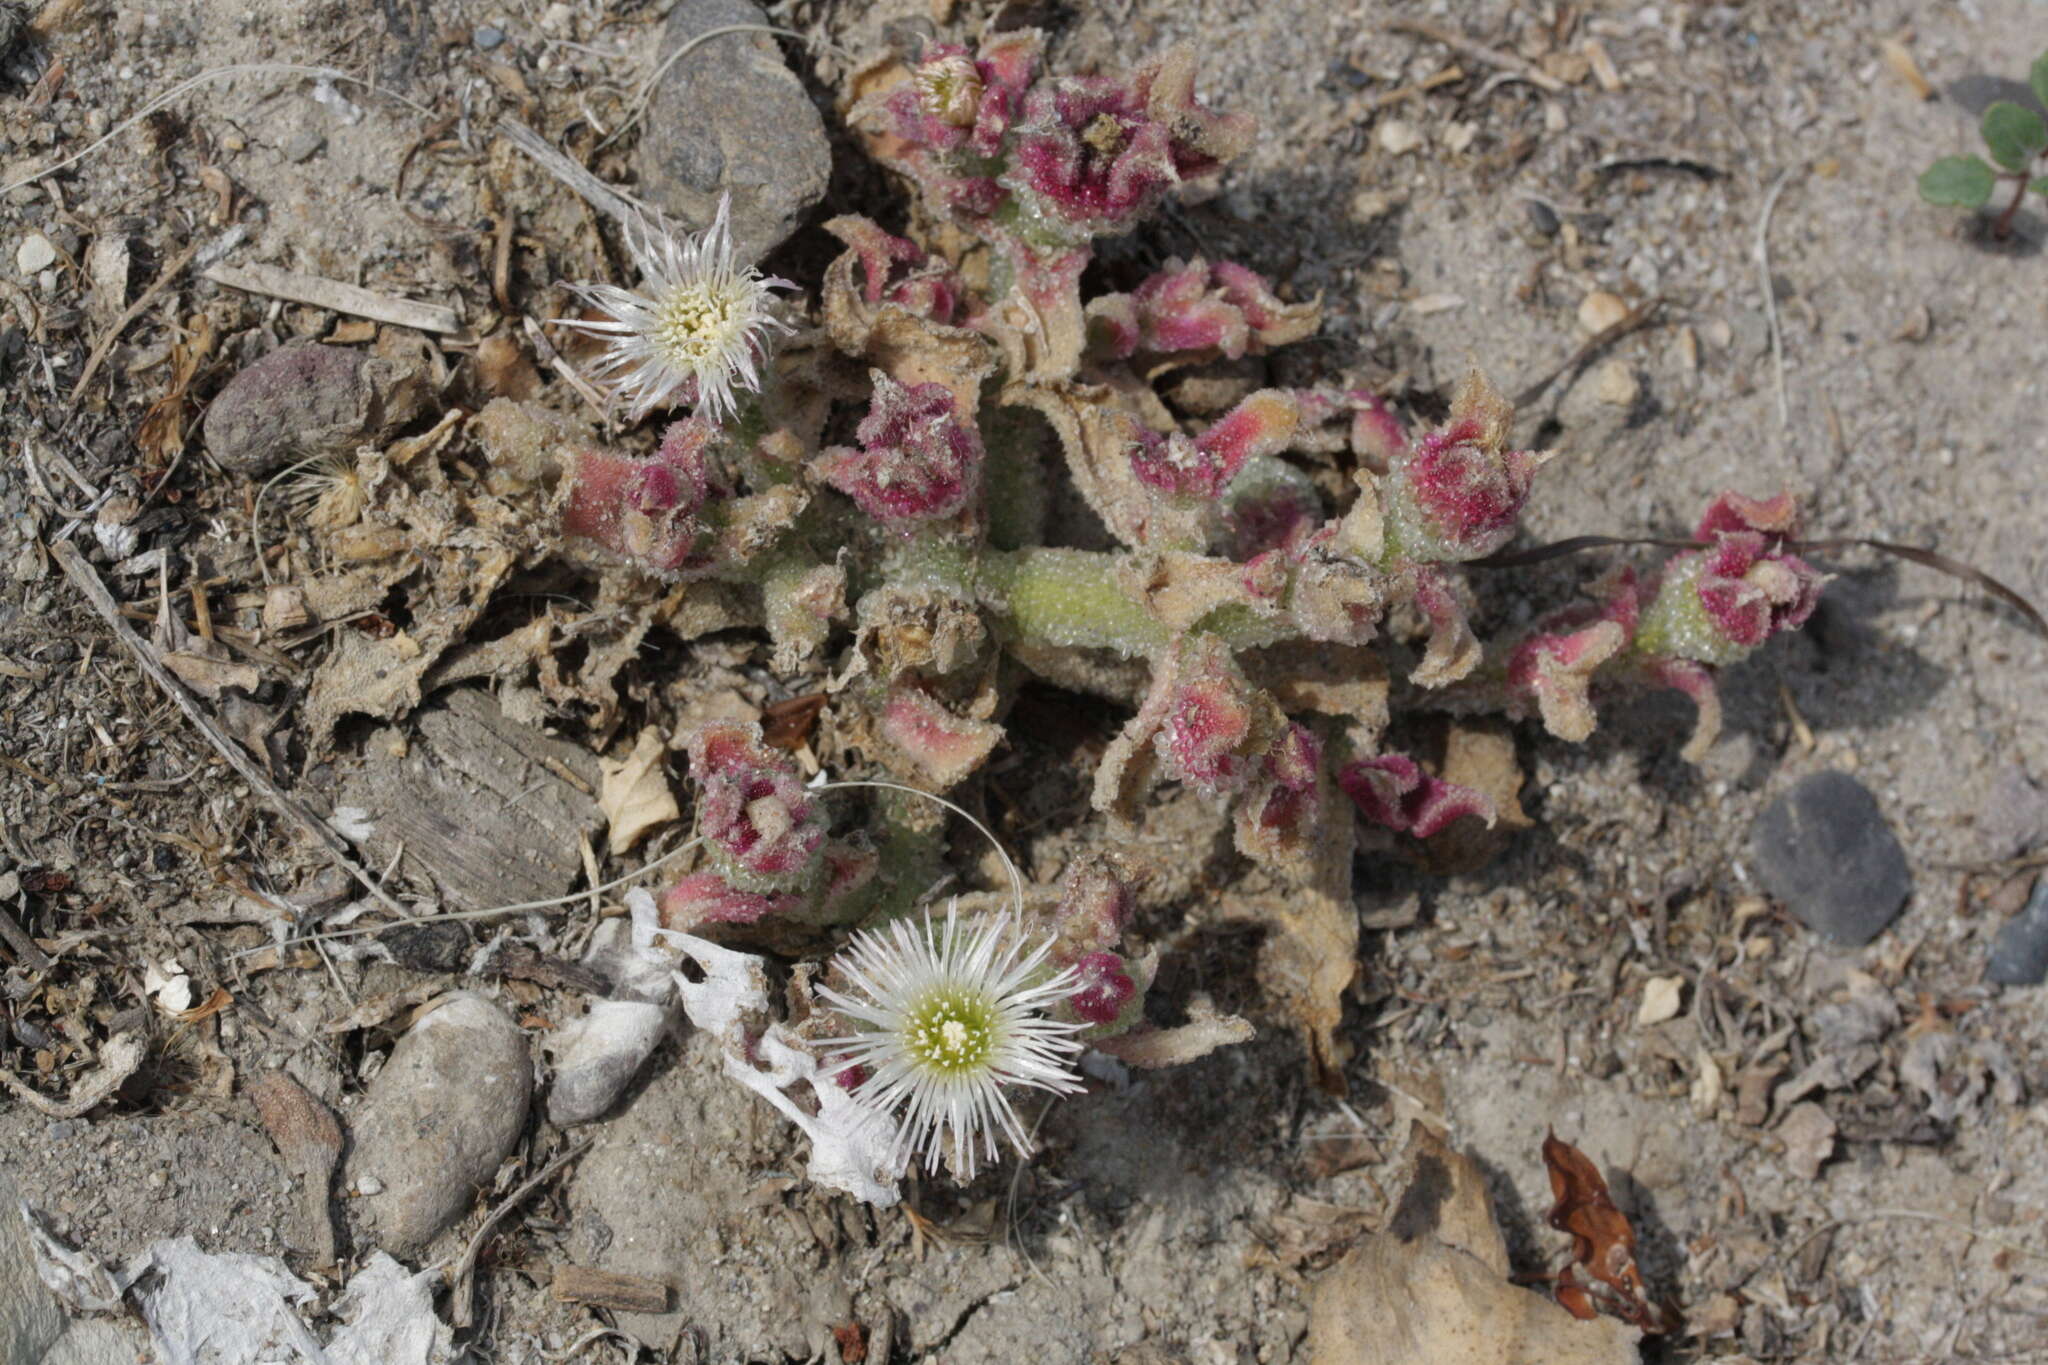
(1478, 52)
(464, 1305)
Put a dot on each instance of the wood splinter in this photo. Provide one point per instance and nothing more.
(609, 1289)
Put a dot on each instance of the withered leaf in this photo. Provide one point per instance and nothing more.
(1603, 1243)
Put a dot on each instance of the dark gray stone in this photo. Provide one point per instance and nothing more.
(731, 116)
(307, 400)
(1824, 849)
(2019, 955)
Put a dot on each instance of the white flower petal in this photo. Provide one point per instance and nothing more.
(896, 975)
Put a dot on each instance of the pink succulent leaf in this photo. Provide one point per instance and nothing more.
(1217, 725)
(764, 826)
(1457, 492)
(918, 460)
(1106, 988)
(1006, 64)
(1466, 496)
(1731, 511)
(1282, 815)
(1394, 791)
(1555, 671)
(1751, 592)
(945, 748)
(1091, 155)
(883, 256)
(1194, 307)
(896, 270)
(1114, 329)
(645, 509)
(1368, 428)
(707, 898)
(1453, 650)
(1199, 467)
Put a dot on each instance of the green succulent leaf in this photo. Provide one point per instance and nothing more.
(1964, 181)
(2014, 134)
(2038, 78)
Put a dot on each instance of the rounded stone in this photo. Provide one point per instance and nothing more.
(308, 400)
(730, 117)
(1823, 849)
(447, 1108)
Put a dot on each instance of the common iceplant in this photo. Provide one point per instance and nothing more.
(879, 484)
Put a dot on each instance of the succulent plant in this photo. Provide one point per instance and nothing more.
(1251, 624)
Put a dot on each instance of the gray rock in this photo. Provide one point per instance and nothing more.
(303, 147)
(732, 117)
(306, 400)
(446, 1109)
(2019, 955)
(487, 37)
(1823, 849)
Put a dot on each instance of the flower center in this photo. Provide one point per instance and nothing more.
(692, 323)
(951, 1032)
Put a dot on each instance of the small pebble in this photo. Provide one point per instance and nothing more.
(1398, 137)
(1825, 851)
(303, 147)
(487, 37)
(1616, 383)
(1542, 217)
(35, 253)
(2019, 954)
(1600, 310)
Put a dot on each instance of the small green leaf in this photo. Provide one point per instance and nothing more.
(2039, 185)
(1964, 181)
(2014, 134)
(2038, 78)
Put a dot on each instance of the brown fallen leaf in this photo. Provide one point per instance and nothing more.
(635, 795)
(787, 724)
(1603, 1243)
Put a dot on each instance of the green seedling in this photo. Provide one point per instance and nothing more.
(2017, 138)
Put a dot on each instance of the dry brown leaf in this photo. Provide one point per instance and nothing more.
(635, 795)
(1603, 1243)
(502, 369)
(1309, 961)
(210, 677)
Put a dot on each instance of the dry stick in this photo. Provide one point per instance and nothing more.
(320, 292)
(25, 948)
(464, 1305)
(87, 582)
(614, 203)
(1465, 47)
(1763, 270)
(487, 912)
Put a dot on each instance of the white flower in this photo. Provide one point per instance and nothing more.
(699, 319)
(944, 1022)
